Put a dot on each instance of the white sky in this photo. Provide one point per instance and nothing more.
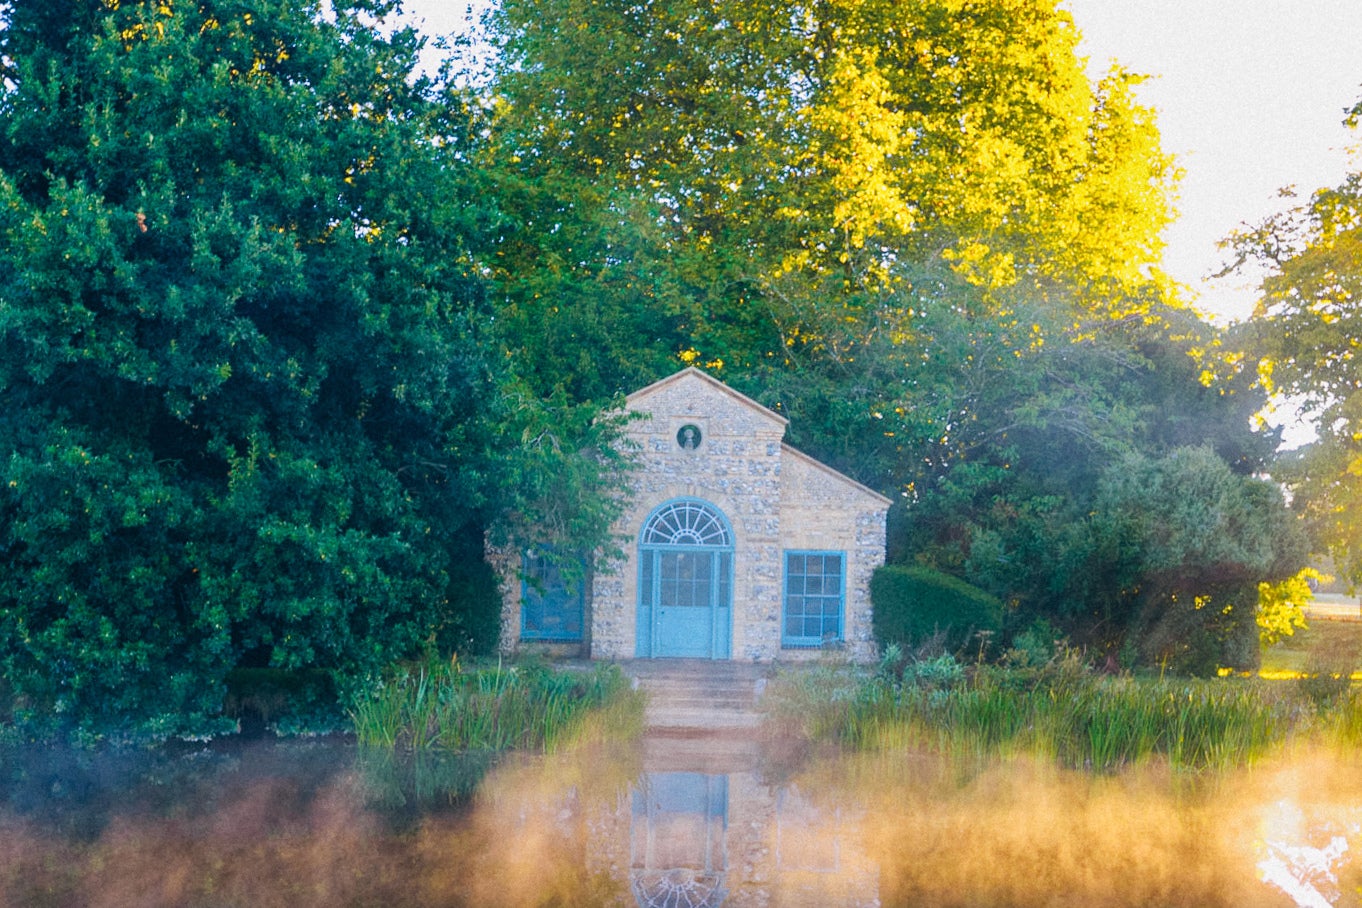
(1250, 96)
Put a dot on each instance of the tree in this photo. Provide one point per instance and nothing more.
(1304, 337)
(766, 182)
(1181, 545)
(1015, 503)
(251, 414)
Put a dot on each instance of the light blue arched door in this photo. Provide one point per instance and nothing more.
(685, 604)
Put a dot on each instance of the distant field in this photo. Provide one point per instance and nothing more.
(1328, 644)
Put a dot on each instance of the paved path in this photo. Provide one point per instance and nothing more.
(1335, 607)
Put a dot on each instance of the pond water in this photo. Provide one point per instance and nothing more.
(673, 822)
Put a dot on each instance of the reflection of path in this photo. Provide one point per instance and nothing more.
(705, 828)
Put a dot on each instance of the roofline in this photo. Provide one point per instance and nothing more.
(818, 464)
(718, 385)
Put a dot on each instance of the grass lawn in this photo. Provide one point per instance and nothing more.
(1325, 645)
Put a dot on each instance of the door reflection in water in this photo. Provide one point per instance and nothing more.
(678, 852)
(703, 831)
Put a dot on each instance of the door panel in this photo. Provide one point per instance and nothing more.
(685, 604)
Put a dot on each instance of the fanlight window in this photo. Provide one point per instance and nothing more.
(687, 523)
(678, 889)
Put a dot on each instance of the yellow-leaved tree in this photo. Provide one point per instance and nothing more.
(765, 179)
(1306, 337)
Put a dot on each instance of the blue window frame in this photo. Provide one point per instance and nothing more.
(685, 600)
(551, 608)
(815, 591)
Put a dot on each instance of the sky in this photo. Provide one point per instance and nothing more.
(1250, 97)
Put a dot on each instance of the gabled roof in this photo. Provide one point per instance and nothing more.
(712, 383)
(691, 374)
(834, 474)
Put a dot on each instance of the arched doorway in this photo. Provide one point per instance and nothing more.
(685, 598)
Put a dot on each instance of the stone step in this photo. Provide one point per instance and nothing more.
(696, 705)
(661, 704)
(742, 690)
(699, 695)
(700, 721)
(744, 687)
(715, 671)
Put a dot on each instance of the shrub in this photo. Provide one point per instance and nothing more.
(915, 603)
(441, 706)
(1035, 646)
(302, 701)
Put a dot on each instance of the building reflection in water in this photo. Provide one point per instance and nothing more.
(701, 829)
(679, 823)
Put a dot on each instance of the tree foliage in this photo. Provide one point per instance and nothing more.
(755, 184)
(1019, 508)
(289, 331)
(1306, 338)
(1181, 543)
(1281, 605)
(249, 411)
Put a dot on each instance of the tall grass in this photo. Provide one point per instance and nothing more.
(442, 705)
(1062, 712)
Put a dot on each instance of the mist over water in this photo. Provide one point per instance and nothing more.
(674, 822)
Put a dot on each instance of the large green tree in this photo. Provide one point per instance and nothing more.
(1179, 546)
(1306, 338)
(1020, 497)
(251, 412)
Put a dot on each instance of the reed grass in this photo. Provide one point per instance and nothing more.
(444, 706)
(1063, 712)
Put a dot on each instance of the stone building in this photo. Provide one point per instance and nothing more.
(736, 546)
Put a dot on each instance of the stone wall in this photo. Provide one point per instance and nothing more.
(735, 467)
(505, 564)
(821, 510)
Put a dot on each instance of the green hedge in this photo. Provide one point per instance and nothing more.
(913, 603)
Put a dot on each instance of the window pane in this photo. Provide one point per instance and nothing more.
(813, 598)
(550, 608)
(686, 523)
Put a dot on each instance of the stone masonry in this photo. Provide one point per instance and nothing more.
(774, 498)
